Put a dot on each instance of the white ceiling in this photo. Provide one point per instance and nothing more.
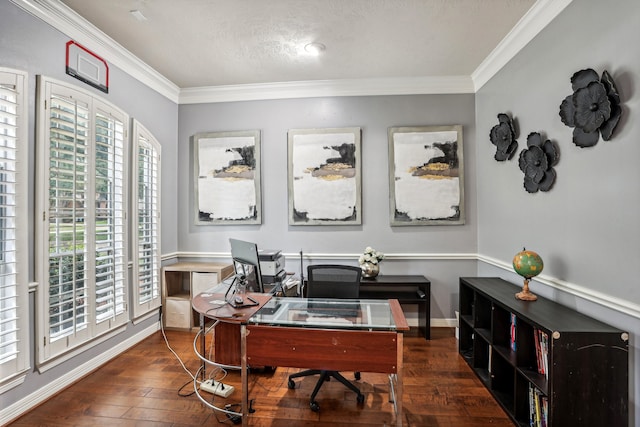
(213, 43)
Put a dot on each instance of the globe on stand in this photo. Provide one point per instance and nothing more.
(528, 264)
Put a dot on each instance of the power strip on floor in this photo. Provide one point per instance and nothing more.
(217, 388)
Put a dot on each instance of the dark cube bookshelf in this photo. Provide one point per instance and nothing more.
(587, 369)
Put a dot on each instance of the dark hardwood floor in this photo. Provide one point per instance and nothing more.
(146, 386)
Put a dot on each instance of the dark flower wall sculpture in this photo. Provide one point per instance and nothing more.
(503, 136)
(537, 161)
(593, 109)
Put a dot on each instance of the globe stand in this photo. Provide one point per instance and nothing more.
(526, 295)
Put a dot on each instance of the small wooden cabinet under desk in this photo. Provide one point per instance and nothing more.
(181, 282)
(407, 289)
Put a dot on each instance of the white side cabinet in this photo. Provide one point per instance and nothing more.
(181, 282)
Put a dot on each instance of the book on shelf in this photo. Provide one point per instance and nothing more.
(542, 351)
(544, 339)
(538, 407)
(513, 332)
(536, 339)
(545, 410)
(490, 357)
(536, 404)
(532, 409)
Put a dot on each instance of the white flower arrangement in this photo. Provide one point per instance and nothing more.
(370, 256)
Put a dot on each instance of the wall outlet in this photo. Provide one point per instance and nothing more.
(217, 388)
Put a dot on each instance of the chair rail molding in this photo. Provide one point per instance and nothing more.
(335, 256)
(616, 304)
(613, 303)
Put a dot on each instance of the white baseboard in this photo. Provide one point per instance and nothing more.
(25, 404)
(442, 323)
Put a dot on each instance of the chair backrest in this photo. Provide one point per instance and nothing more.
(333, 281)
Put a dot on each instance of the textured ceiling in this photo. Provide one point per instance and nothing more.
(196, 43)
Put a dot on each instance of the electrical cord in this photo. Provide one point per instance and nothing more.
(166, 340)
(182, 388)
(212, 374)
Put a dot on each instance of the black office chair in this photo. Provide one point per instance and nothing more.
(330, 281)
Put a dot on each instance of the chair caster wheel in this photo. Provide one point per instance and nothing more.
(360, 398)
(356, 375)
(314, 406)
(291, 384)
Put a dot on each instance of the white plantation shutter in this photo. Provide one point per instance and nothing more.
(147, 201)
(13, 225)
(82, 186)
(67, 211)
(109, 217)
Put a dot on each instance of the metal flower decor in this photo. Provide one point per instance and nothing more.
(593, 109)
(537, 161)
(503, 136)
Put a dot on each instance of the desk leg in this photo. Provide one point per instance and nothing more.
(399, 379)
(424, 319)
(244, 374)
(203, 346)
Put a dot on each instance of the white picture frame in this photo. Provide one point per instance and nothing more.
(324, 176)
(227, 188)
(426, 175)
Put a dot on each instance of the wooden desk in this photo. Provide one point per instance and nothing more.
(362, 348)
(365, 348)
(407, 289)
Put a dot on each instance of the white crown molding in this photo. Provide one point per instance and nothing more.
(65, 20)
(530, 25)
(61, 17)
(322, 88)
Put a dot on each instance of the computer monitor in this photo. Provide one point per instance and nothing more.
(246, 263)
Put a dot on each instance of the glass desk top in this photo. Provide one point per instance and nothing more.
(325, 313)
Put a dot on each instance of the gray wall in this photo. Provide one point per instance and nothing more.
(374, 114)
(30, 45)
(586, 228)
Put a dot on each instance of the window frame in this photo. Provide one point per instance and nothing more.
(49, 350)
(14, 370)
(141, 308)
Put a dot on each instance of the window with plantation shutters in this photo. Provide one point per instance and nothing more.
(14, 324)
(146, 199)
(82, 182)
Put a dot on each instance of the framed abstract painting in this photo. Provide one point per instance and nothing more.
(324, 176)
(227, 177)
(426, 176)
